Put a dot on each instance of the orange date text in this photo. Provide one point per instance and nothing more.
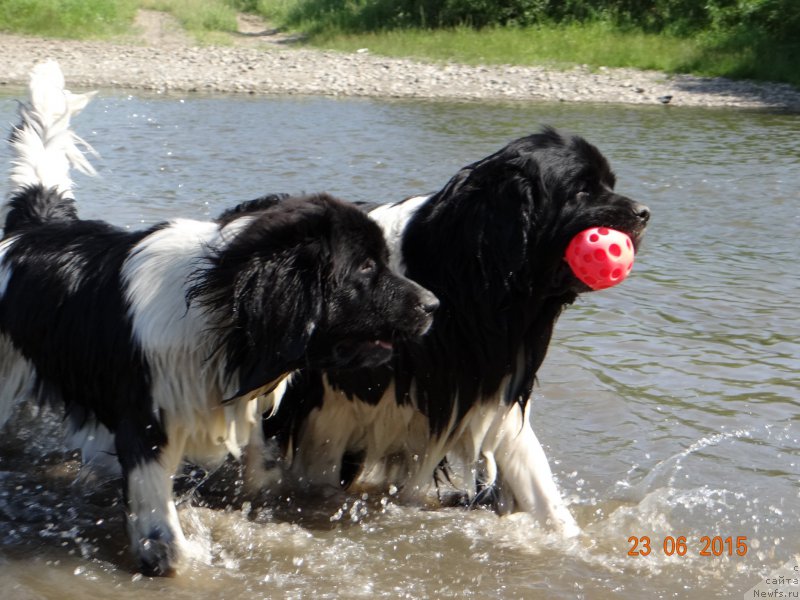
(717, 545)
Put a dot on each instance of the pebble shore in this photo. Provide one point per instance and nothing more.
(270, 68)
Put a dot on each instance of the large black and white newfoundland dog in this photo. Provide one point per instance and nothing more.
(490, 245)
(160, 342)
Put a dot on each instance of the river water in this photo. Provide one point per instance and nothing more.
(668, 405)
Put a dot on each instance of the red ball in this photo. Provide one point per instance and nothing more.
(600, 257)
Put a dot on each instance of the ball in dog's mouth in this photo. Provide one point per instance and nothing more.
(600, 257)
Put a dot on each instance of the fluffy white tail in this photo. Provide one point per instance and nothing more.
(44, 145)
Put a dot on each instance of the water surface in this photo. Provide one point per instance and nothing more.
(668, 405)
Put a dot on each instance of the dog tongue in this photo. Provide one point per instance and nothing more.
(600, 257)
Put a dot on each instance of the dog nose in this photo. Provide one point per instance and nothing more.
(642, 212)
(428, 302)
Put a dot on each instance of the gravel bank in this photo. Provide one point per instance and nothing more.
(260, 66)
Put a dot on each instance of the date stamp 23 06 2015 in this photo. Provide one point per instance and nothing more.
(705, 545)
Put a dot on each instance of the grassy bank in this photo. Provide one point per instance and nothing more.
(560, 46)
(594, 44)
(105, 18)
(67, 18)
(755, 39)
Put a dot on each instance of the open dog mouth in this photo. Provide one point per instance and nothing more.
(377, 347)
(382, 344)
(358, 353)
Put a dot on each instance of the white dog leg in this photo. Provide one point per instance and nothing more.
(155, 532)
(523, 467)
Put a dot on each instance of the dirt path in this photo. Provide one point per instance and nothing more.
(154, 28)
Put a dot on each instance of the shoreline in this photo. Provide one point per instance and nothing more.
(261, 66)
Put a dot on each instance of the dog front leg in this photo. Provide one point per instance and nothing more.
(523, 467)
(149, 461)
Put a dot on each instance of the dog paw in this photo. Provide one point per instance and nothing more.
(157, 557)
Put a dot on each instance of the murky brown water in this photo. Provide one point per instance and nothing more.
(669, 405)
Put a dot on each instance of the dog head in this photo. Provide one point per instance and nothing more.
(576, 193)
(304, 281)
(367, 305)
(522, 205)
(577, 188)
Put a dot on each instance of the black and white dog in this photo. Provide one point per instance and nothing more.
(490, 245)
(160, 342)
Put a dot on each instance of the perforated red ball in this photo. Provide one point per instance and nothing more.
(600, 257)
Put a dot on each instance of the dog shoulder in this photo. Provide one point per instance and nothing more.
(155, 277)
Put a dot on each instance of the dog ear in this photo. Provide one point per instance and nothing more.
(485, 212)
(264, 290)
(278, 306)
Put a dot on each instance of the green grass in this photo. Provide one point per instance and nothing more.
(104, 18)
(67, 18)
(743, 55)
(752, 53)
(592, 44)
(729, 54)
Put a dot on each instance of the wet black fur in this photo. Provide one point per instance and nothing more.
(65, 288)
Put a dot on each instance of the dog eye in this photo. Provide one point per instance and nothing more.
(367, 267)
